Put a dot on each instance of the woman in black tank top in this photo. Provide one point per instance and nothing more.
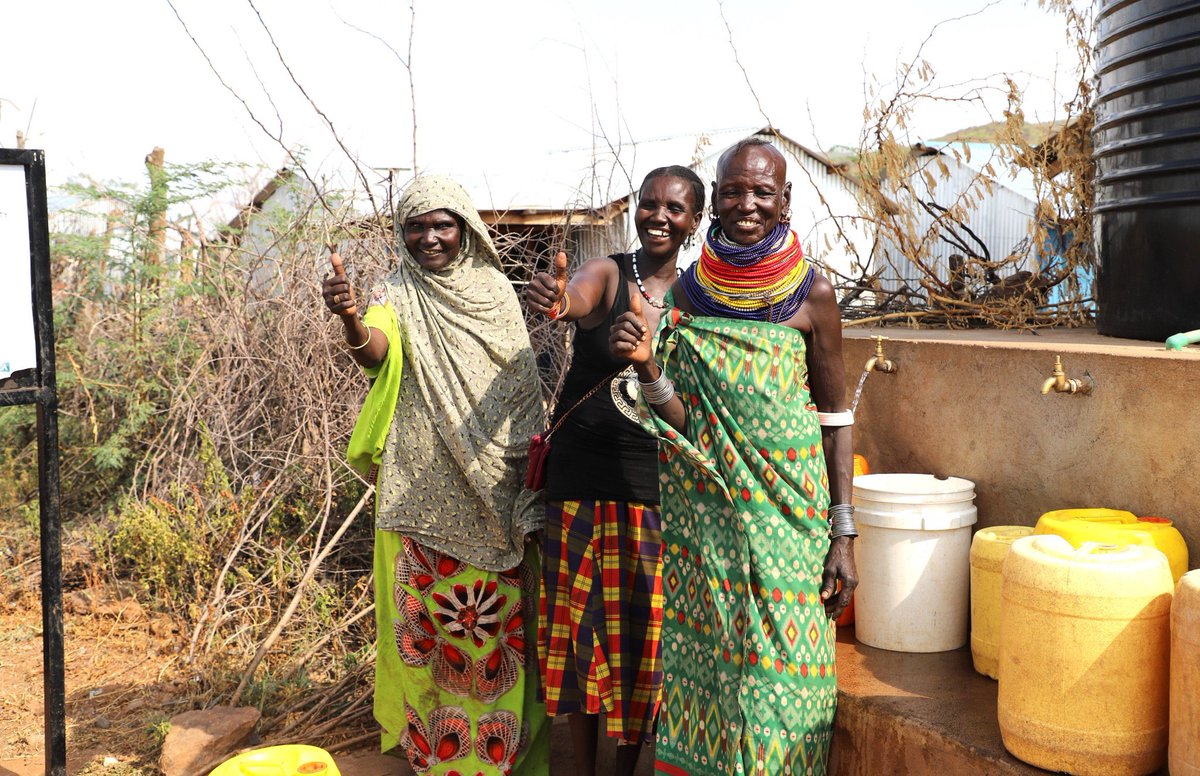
(603, 544)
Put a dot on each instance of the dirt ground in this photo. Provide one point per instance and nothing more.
(120, 663)
(115, 656)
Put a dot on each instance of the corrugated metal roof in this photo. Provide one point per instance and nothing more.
(563, 180)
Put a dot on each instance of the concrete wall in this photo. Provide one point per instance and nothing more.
(967, 404)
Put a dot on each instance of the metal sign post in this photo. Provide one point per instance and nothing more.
(27, 376)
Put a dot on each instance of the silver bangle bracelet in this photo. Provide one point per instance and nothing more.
(843, 528)
(841, 521)
(660, 391)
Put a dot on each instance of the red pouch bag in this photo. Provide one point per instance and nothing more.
(539, 444)
(539, 455)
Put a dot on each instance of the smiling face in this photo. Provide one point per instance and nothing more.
(667, 212)
(751, 192)
(433, 238)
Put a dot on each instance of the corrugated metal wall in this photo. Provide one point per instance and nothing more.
(818, 223)
(592, 241)
(1002, 221)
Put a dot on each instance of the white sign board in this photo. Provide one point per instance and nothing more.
(17, 345)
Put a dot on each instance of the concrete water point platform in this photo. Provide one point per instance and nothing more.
(899, 714)
(908, 714)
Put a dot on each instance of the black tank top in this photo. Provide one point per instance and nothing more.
(601, 452)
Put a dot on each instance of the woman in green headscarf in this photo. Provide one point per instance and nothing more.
(454, 560)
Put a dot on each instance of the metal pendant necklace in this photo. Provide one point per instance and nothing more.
(637, 276)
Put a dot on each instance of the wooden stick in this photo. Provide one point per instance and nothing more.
(374, 734)
(309, 573)
(888, 317)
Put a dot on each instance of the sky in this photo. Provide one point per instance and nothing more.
(97, 85)
(498, 87)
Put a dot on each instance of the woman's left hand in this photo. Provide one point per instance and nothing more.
(839, 567)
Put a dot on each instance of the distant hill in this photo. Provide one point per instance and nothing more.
(990, 133)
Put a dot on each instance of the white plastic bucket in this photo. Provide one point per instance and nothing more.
(913, 559)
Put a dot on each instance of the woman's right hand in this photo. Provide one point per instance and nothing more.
(368, 346)
(545, 290)
(339, 296)
(629, 339)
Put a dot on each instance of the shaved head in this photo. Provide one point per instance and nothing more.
(755, 141)
(751, 195)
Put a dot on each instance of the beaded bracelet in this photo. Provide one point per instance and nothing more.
(841, 521)
(559, 310)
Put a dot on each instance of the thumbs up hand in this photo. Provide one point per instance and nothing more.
(560, 272)
(339, 296)
(630, 337)
(545, 291)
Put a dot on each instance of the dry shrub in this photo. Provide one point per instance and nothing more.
(928, 265)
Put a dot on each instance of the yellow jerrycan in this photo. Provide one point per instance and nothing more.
(1084, 656)
(289, 760)
(1076, 525)
(1169, 541)
(1184, 755)
(1114, 526)
(988, 548)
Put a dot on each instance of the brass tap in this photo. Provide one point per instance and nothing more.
(1060, 383)
(877, 362)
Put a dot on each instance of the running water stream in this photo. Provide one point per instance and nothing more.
(858, 390)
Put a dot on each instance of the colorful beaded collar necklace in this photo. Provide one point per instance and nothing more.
(767, 281)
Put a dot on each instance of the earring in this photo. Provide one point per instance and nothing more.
(712, 215)
(786, 217)
(689, 241)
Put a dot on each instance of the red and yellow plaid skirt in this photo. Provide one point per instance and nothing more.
(601, 614)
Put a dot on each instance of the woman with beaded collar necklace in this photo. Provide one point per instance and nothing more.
(746, 390)
(602, 584)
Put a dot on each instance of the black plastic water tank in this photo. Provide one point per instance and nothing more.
(1147, 153)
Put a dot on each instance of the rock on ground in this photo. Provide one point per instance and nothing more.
(200, 740)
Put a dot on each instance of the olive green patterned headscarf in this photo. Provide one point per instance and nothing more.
(469, 399)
